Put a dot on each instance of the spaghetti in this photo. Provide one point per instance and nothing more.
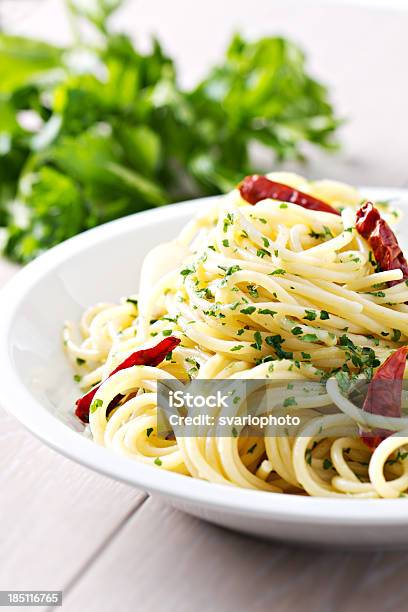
(268, 290)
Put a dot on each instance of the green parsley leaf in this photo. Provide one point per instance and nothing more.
(276, 343)
(253, 292)
(262, 252)
(396, 335)
(277, 272)
(310, 338)
(248, 310)
(258, 341)
(267, 311)
(132, 301)
(229, 219)
(95, 405)
(310, 315)
(187, 271)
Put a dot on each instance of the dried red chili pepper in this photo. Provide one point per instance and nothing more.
(384, 394)
(150, 357)
(255, 188)
(382, 240)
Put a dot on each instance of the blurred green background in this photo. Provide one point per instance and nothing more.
(98, 129)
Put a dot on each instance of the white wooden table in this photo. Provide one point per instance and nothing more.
(108, 546)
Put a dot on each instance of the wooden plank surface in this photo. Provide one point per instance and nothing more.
(54, 515)
(64, 527)
(178, 563)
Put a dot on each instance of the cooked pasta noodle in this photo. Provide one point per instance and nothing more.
(271, 292)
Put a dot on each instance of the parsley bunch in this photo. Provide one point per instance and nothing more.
(99, 130)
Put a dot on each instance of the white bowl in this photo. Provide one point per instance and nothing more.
(36, 380)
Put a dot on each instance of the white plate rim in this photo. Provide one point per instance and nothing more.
(17, 400)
